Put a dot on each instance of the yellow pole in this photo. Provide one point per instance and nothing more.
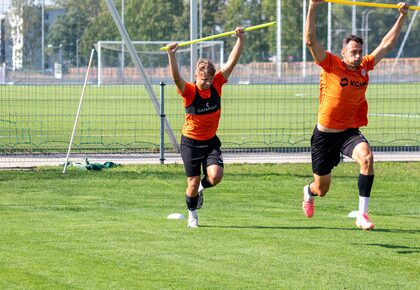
(371, 4)
(224, 34)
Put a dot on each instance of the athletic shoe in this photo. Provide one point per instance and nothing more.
(363, 222)
(308, 205)
(200, 199)
(192, 219)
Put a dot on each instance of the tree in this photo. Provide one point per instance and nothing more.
(90, 21)
(291, 29)
(212, 17)
(69, 29)
(249, 13)
(144, 21)
(32, 36)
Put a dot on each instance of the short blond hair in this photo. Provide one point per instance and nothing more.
(206, 66)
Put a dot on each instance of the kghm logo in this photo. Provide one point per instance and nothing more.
(344, 82)
(358, 84)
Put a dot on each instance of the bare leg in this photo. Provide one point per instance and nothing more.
(364, 156)
(214, 174)
(319, 187)
(321, 184)
(192, 188)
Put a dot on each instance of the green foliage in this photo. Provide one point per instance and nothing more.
(70, 28)
(247, 14)
(32, 34)
(90, 21)
(19, 4)
(108, 229)
(212, 16)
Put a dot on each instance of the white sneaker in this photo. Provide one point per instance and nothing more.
(192, 219)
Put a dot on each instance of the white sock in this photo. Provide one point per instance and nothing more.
(200, 187)
(192, 213)
(307, 195)
(363, 204)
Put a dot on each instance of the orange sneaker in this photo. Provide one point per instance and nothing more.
(308, 204)
(363, 222)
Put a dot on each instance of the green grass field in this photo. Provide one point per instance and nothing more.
(41, 118)
(108, 230)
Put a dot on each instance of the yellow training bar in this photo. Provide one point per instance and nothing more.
(224, 34)
(371, 4)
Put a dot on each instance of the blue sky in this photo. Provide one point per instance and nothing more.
(4, 4)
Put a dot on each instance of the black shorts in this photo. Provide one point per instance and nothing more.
(197, 153)
(326, 148)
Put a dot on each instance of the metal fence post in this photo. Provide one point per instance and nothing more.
(162, 123)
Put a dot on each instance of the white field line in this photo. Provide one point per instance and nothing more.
(409, 116)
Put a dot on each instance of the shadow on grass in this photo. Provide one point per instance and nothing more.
(259, 175)
(400, 249)
(277, 228)
(398, 231)
(309, 228)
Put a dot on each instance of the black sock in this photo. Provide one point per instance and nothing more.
(205, 183)
(191, 202)
(365, 183)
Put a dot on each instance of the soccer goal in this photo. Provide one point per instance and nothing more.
(116, 67)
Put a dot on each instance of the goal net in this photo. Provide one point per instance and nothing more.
(116, 67)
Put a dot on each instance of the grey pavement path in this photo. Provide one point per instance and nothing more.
(26, 161)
